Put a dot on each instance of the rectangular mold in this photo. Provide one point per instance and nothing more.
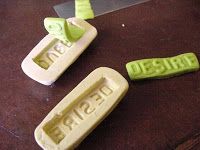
(50, 57)
(81, 110)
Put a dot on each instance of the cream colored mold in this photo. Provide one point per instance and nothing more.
(51, 57)
(81, 110)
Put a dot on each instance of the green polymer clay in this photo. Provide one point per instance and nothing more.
(83, 9)
(162, 67)
(63, 30)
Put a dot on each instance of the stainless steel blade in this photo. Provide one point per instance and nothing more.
(100, 7)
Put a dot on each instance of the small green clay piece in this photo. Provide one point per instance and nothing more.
(63, 30)
(162, 67)
(83, 9)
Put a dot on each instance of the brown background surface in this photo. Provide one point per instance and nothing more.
(156, 114)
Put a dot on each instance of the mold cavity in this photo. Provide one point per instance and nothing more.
(78, 112)
(51, 53)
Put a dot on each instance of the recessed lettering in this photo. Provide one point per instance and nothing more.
(59, 48)
(56, 134)
(43, 64)
(98, 98)
(69, 122)
(52, 56)
(51, 53)
(80, 111)
(87, 108)
(78, 114)
(105, 90)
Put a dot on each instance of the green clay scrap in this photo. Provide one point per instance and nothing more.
(83, 9)
(62, 30)
(162, 67)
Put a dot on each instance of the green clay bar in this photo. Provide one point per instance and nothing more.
(162, 67)
(83, 9)
(62, 30)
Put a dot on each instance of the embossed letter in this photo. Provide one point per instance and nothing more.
(136, 69)
(159, 66)
(177, 63)
(147, 67)
(190, 59)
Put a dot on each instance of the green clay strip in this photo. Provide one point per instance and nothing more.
(62, 30)
(162, 67)
(76, 32)
(83, 9)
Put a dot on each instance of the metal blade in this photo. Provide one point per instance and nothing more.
(100, 7)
